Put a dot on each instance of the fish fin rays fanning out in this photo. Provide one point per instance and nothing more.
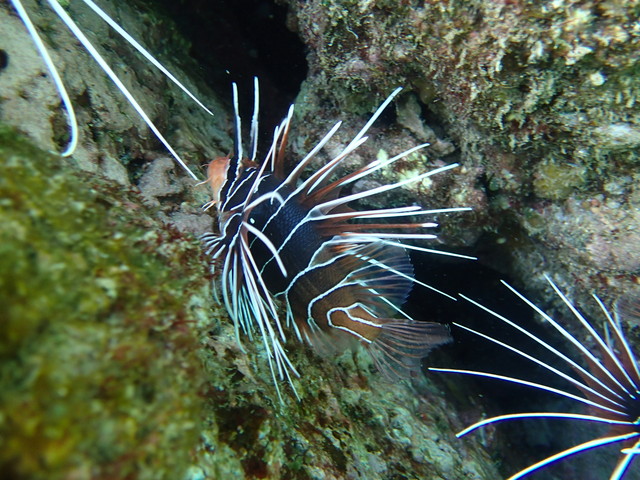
(608, 386)
(312, 267)
(384, 272)
(400, 346)
(90, 48)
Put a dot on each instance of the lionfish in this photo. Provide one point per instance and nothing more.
(296, 245)
(609, 384)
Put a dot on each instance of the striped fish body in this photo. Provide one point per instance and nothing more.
(287, 241)
(331, 291)
(323, 275)
(296, 240)
(295, 260)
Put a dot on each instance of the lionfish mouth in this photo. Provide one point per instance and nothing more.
(294, 244)
(609, 385)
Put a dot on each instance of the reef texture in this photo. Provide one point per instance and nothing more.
(537, 100)
(115, 361)
(98, 356)
(115, 364)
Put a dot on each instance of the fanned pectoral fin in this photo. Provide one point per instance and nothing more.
(400, 345)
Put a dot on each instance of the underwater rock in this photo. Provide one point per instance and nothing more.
(114, 140)
(539, 101)
(98, 355)
(116, 363)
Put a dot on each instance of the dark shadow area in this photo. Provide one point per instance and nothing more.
(236, 40)
(519, 443)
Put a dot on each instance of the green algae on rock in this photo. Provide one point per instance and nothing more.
(98, 362)
(540, 101)
(126, 305)
(349, 423)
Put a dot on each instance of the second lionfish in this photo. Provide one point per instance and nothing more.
(603, 376)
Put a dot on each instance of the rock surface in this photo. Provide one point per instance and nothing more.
(116, 361)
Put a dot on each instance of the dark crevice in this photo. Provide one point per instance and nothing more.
(4, 59)
(235, 40)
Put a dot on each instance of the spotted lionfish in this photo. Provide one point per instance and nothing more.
(294, 243)
(606, 380)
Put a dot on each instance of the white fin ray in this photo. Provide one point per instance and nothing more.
(238, 124)
(373, 261)
(430, 250)
(375, 116)
(253, 135)
(624, 463)
(135, 44)
(295, 173)
(281, 140)
(526, 383)
(379, 164)
(599, 442)
(316, 178)
(407, 211)
(55, 75)
(265, 240)
(325, 207)
(526, 416)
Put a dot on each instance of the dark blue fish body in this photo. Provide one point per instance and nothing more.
(295, 246)
(277, 223)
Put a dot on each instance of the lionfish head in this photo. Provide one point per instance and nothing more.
(216, 176)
